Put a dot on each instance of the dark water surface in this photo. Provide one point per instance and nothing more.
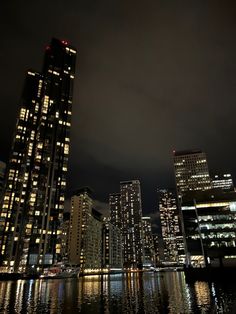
(123, 293)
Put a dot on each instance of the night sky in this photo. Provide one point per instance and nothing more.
(152, 76)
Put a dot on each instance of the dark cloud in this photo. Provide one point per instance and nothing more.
(152, 76)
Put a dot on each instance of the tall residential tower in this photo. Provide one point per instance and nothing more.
(148, 243)
(170, 227)
(115, 208)
(131, 212)
(33, 201)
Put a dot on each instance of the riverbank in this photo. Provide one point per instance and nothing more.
(210, 274)
(10, 276)
(191, 274)
(17, 276)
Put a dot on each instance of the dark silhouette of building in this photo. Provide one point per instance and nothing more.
(115, 209)
(148, 243)
(111, 246)
(2, 176)
(156, 249)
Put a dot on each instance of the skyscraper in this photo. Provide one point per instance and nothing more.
(115, 209)
(148, 244)
(111, 246)
(33, 200)
(156, 249)
(191, 171)
(131, 212)
(170, 227)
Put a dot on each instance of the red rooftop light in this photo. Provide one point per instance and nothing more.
(65, 42)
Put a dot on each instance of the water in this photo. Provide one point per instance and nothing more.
(127, 293)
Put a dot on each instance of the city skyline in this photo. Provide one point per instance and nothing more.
(39, 238)
(117, 156)
(135, 100)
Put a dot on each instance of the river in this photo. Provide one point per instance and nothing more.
(121, 293)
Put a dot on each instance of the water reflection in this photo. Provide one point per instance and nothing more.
(123, 293)
(203, 295)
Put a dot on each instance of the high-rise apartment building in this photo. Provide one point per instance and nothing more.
(111, 246)
(64, 236)
(115, 209)
(170, 227)
(155, 237)
(33, 200)
(131, 213)
(148, 244)
(191, 171)
(85, 235)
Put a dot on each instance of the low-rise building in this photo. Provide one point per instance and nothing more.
(222, 181)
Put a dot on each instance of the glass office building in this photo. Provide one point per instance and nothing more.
(210, 228)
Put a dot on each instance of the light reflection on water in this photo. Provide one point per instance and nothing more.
(121, 293)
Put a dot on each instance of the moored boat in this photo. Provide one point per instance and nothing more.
(60, 272)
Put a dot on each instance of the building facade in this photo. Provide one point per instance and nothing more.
(210, 227)
(115, 209)
(170, 227)
(64, 236)
(222, 181)
(148, 244)
(111, 246)
(2, 177)
(33, 200)
(85, 235)
(191, 171)
(155, 237)
(131, 212)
